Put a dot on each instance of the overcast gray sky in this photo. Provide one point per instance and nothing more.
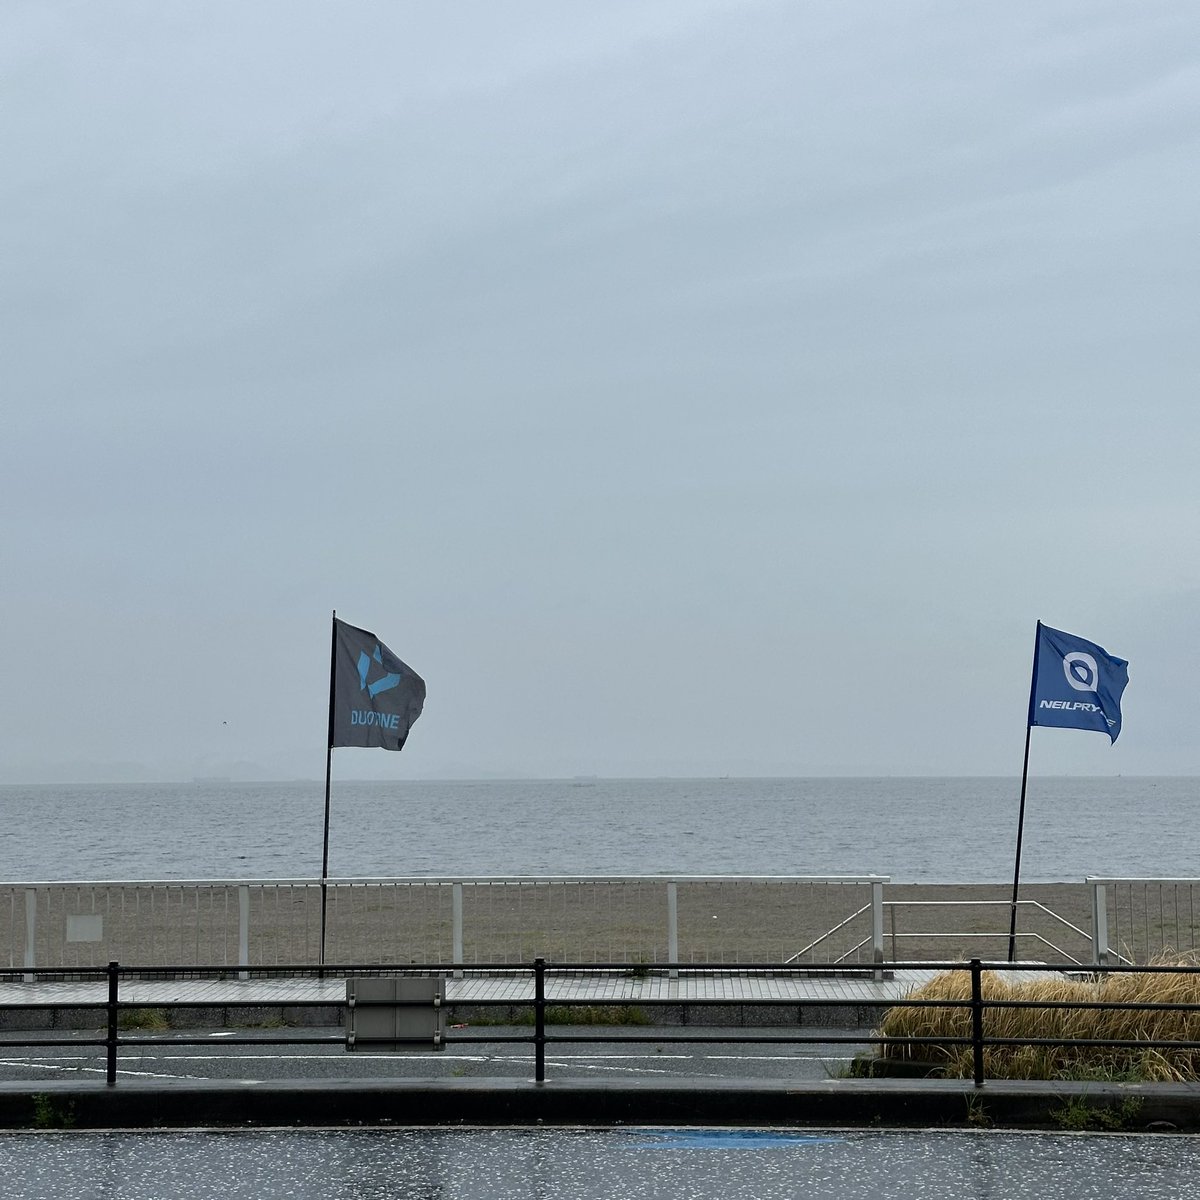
(680, 386)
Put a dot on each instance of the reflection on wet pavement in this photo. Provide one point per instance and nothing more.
(635, 1164)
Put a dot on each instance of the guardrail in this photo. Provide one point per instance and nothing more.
(631, 919)
(270, 922)
(1026, 936)
(1137, 920)
(114, 1039)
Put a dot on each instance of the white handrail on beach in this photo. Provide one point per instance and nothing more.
(1037, 905)
(1138, 919)
(482, 918)
(263, 922)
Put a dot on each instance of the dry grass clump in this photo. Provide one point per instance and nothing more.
(1057, 1062)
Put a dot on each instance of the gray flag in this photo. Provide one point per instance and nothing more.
(375, 697)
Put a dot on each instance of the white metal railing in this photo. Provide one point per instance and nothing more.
(874, 941)
(1033, 906)
(617, 918)
(469, 919)
(1139, 919)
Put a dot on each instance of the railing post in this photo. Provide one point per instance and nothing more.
(977, 1019)
(877, 926)
(457, 934)
(673, 925)
(110, 1040)
(1099, 924)
(243, 929)
(30, 931)
(539, 1020)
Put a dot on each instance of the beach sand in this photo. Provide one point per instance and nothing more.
(621, 922)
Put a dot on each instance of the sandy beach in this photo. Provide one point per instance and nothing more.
(746, 921)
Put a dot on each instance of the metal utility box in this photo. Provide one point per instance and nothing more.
(406, 1013)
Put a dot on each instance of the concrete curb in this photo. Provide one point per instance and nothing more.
(405, 1102)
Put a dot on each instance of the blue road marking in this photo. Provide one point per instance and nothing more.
(726, 1139)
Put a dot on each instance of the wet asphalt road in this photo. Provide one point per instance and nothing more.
(469, 1055)
(633, 1164)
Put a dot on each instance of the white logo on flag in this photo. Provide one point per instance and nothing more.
(1081, 671)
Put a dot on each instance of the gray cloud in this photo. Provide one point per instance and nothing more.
(681, 388)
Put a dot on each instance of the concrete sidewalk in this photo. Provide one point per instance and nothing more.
(590, 987)
(853, 999)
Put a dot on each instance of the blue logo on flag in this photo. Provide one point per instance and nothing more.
(1076, 684)
(384, 683)
(388, 699)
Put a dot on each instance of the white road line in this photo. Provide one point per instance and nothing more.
(359, 1057)
(64, 1064)
(623, 1063)
(41, 1065)
(779, 1057)
(441, 1056)
(550, 1062)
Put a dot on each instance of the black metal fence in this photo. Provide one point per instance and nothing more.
(114, 1038)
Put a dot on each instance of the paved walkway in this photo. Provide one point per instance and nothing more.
(689, 987)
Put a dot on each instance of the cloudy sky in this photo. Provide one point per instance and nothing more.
(680, 386)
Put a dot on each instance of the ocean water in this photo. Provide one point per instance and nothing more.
(913, 829)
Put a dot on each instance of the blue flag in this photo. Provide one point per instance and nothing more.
(1076, 684)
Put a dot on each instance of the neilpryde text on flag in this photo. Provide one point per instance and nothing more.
(375, 697)
(1076, 684)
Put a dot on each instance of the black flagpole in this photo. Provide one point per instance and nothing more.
(328, 768)
(1012, 923)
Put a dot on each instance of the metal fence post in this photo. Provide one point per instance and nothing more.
(539, 1020)
(673, 925)
(110, 1040)
(977, 1019)
(243, 929)
(877, 926)
(30, 931)
(457, 934)
(1099, 924)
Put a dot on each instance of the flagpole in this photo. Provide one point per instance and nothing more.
(1012, 922)
(328, 771)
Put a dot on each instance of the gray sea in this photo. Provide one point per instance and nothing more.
(913, 829)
